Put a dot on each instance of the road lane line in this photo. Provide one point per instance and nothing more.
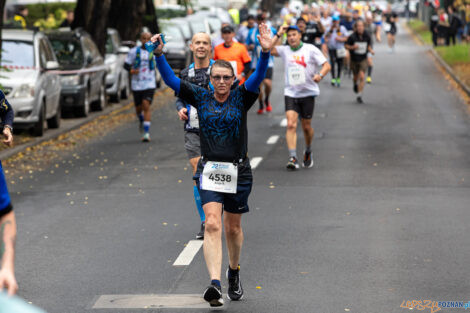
(151, 301)
(189, 252)
(254, 162)
(272, 140)
(284, 122)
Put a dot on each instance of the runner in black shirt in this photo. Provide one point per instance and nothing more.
(224, 175)
(391, 19)
(359, 44)
(312, 31)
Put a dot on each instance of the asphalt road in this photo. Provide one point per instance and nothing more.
(382, 217)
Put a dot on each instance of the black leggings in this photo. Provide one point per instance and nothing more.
(335, 61)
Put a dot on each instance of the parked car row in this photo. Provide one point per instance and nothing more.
(60, 71)
(182, 29)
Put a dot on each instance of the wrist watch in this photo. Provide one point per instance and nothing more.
(321, 75)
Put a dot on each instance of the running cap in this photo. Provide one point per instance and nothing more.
(227, 29)
(293, 27)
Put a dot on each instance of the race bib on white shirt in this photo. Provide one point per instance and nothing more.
(296, 76)
(193, 117)
(361, 48)
(220, 177)
(234, 66)
(387, 27)
(341, 53)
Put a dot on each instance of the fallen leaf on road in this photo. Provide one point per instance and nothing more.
(258, 287)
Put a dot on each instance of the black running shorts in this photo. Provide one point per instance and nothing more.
(141, 95)
(303, 106)
(269, 73)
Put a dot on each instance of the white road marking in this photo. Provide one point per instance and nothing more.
(254, 162)
(189, 252)
(272, 140)
(284, 122)
(193, 301)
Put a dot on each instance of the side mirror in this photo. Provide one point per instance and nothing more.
(52, 65)
(123, 50)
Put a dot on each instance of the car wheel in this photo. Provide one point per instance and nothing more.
(54, 122)
(82, 111)
(102, 100)
(115, 98)
(126, 91)
(38, 128)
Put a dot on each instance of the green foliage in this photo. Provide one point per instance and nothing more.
(48, 15)
(452, 55)
(169, 13)
(422, 30)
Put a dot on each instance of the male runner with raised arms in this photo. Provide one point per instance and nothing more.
(197, 73)
(141, 66)
(224, 174)
(305, 66)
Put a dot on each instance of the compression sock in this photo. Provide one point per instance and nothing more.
(215, 282)
(147, 126)
(141, 117)
(197, 198)
(293, 153)
(369, 71)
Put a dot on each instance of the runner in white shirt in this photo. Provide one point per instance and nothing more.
(305, 66)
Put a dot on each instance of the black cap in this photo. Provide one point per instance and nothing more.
(227, 29)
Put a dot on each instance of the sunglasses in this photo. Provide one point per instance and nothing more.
(218, 78)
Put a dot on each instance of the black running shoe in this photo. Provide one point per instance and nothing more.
(293, 164)
(359, 100)
(213, 295)
(355, 88)
(235, 290)
(308, 160)
(200, 234)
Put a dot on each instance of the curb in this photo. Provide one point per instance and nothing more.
(438, 58)
(450, 71)
(53, 134)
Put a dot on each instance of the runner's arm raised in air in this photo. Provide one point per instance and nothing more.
(276, 41)
(258, 75)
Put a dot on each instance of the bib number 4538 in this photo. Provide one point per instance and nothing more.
(220, 177)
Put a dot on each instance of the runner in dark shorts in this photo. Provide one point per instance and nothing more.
(224, 173)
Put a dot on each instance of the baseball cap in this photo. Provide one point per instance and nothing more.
(227, 29)
(293, 27)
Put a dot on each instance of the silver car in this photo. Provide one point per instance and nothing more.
(32, 89)
(117, 79)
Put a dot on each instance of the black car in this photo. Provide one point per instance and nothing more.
(176, 49)
(84, 72)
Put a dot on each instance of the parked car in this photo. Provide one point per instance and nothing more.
(32, 89)
(84, 77)
(176, 50)
(117, 79)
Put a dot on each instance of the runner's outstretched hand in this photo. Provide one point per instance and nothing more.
(264, 37)
(8, 281)
(159, 49)
(8, 137)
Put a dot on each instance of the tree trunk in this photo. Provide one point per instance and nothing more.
(129, 17)
(92, 16)
(2, 8)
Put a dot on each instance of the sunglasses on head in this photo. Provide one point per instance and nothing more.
(226, 78)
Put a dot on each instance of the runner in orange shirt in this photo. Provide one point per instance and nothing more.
(234, 52)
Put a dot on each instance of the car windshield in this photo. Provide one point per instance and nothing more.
(17, 53)
(172, 31)
(109, 45)
(68, 51)
(198, 26)
(214, 22)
